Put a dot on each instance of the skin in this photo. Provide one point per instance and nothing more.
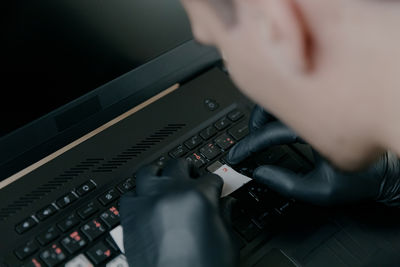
(327, 69)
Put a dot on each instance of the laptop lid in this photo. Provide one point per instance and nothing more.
(71, 66)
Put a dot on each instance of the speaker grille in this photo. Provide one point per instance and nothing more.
(139, 148)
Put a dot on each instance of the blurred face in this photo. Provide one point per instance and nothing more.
(328, 69)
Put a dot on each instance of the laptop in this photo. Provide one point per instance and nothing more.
(97, 89)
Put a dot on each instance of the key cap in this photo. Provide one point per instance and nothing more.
(126, 185)
(53, 255)
(93, 229)
(210, 151)
(26, 225)
(66, 200)
(99, 253)
(119, 261)
(222, 124)
(85, 188)
(193, 142)
(161, 161)
(197, 160)
(111, 243)
(47, 236)
(178, 152)
(87, 210)
(34, 262)
(79, 261)
(26, 250)
(68, 223)
(224, 141)
(239, 131)
(235, 115)
(73, 242)
(208, 133)
(110, 217)
(246, 228)
(108, 197)
(46, 212)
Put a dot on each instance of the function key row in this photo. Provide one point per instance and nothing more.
(51, 209)
(211, 150)
(85, 211)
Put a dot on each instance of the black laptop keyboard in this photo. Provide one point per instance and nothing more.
(82, 238)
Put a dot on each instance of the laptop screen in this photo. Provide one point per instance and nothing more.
(56, 51)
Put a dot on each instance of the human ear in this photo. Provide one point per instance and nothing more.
(290, 38)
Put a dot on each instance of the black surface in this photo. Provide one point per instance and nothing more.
(55, 52)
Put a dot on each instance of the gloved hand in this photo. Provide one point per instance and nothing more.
(175, 220)
(324, 185)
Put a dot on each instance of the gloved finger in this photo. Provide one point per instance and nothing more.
(274, 133)
(259, 117)
(226, 205)
(145, 177)
(178, 168)
(211, 186)
(309, 188)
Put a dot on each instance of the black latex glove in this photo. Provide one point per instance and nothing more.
(324, 185)
(175, 220)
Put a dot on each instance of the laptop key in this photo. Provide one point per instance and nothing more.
(85, 188)
(66, 200)
(93, 229)
(108, 197)
(224, 141)
(210, 151)
(53, 256)
(25, 225)
(119, 261)
(79, 261)
(26, 250)
(47, 236)
(111, 243)
(99, 253)
(239, 131)
(197, 160)
(161, 161)
(73, 242)
(46, 212)
(126, 185)
(178, 152)
(193, 142)
(235, 115)
(68, 223)
(87, 210)
(34, 262)
(111, 217)
(246, 228)
(208, 133)
(222, 124)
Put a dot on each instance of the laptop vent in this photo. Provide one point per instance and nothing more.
(139, 148)
(50, 186)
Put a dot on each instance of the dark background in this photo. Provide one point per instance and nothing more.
(55, 51)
